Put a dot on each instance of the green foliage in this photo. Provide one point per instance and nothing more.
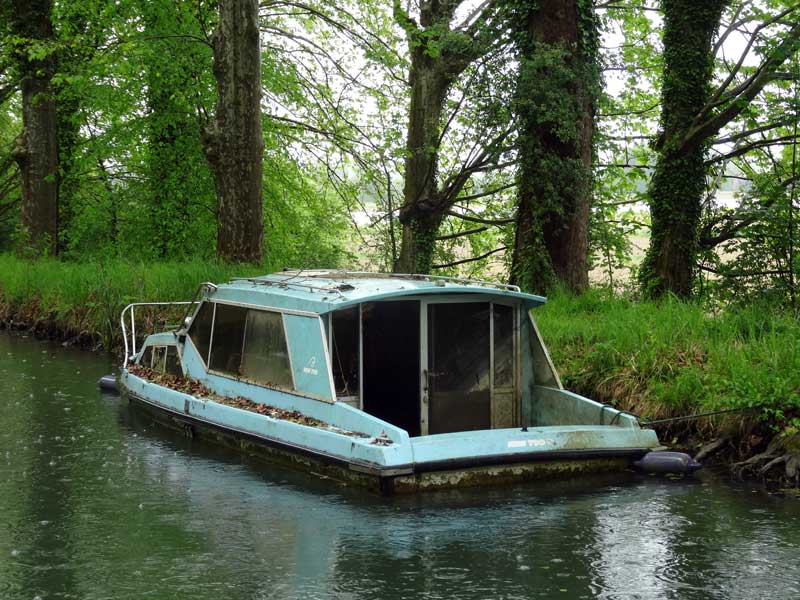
(756, 259)
(9, 175)
(674, 358)
(134, 90)
(87, 298)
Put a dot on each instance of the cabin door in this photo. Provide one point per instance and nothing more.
(468, 366)
(457, 370)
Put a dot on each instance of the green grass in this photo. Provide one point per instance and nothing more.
(674, 358)
(654, 359)
(85, 299)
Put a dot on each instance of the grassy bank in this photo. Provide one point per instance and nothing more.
(654, 359)
(82, 301)
(671, 358)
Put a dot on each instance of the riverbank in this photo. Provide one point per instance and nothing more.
(670, 359)
(656, 360)
(80, 303)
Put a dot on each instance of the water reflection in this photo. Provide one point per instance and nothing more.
(96, 503)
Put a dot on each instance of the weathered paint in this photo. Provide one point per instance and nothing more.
(560, 407)
(492, 475)
(309, 356)
(531, 442)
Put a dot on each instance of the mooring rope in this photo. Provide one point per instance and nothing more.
(697, 416)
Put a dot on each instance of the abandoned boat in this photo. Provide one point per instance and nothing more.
(397, 382)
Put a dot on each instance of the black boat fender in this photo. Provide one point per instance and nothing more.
(108, 383)
(667, 462)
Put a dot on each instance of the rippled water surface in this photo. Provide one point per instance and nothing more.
(97, 503)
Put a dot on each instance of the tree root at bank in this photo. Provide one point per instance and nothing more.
(751, 453)
(780, 462)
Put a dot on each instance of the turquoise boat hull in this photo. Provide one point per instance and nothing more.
(531, 429)
(408, 464)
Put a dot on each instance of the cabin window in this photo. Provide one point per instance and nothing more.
(163, 359)
(344, 343)
(146, 359)
(265, 357)
(503, 345)
(251, 344)
(459, 364)
(172, 362)
(391, 356)
(227, 342)
(159, 352)
(200, 330)
(431, 366)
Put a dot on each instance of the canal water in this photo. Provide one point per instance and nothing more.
(96, 502)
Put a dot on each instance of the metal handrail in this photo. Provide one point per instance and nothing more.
(206, 285)
(203, 287)
(341, 273)
(131, 308)
(283, 283)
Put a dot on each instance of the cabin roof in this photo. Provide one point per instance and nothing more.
(323, 291)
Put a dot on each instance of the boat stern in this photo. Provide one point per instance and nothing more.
(503, 456)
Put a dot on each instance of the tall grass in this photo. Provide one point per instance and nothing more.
(85, 299)
(672, 358)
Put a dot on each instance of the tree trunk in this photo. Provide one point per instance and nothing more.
(438, 57)
(233, 141)
(676, 189)
(422, 212)
(557, 84)
(36, 151)
(68, 181)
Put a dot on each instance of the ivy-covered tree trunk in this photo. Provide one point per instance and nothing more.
(36, 150)
(68, 181)
(556, 90)
(422, 211)
(233, 141)
(173, 144)
(676, 189)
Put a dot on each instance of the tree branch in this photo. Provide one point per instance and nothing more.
(468, 260)
(701, 131)
(472, 219)
(452, 236)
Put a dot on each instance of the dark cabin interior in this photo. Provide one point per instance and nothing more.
(392, 363)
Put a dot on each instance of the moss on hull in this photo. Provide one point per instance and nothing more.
(506, 474)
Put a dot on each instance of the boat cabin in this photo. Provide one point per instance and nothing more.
(427, 354)
(397, 382)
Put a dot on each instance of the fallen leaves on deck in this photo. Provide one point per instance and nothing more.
(198, 390)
